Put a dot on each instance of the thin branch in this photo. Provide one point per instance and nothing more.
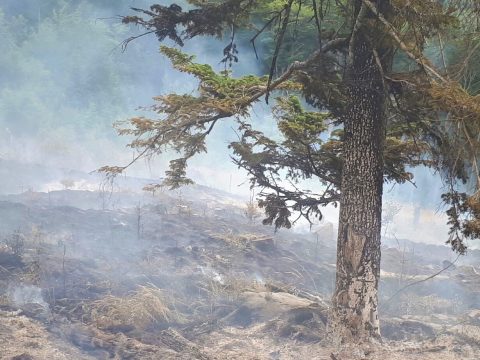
(421, 281)
(281, 34)
(298, 65)
(317, 22)
(268, 23)
(420, 60)
(125, 42)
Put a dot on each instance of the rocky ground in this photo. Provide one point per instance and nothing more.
(85, 275)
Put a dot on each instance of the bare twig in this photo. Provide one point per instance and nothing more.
(421, 281)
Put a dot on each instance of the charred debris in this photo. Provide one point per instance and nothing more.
(193, 275)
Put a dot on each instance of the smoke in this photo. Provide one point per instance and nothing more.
(27, 294)
(66, 80)
(29, 297)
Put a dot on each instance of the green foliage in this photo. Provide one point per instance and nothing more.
(300, 155)
(54, 77)
(186, 120)
(208, 18)
(464, 218)
(217, 86)
(298, 125)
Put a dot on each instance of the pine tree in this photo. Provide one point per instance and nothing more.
(374, 76)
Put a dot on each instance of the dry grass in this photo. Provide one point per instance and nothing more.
(231, 287)
(145, 307)
(230, 238)
(237, 240)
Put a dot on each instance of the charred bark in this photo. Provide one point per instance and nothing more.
(355, 301)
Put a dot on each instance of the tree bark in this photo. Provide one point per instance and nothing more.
(355, 311)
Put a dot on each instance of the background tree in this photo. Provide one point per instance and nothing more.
(383, 103)
(61, 91)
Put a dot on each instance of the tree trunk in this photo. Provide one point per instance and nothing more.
(355, 314)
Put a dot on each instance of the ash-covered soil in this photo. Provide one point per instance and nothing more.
(190, 275)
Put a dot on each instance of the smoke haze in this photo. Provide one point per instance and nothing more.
(65, 81)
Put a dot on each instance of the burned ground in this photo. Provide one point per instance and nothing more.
(189, 276)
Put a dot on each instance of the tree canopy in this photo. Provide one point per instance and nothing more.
(432, 87)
